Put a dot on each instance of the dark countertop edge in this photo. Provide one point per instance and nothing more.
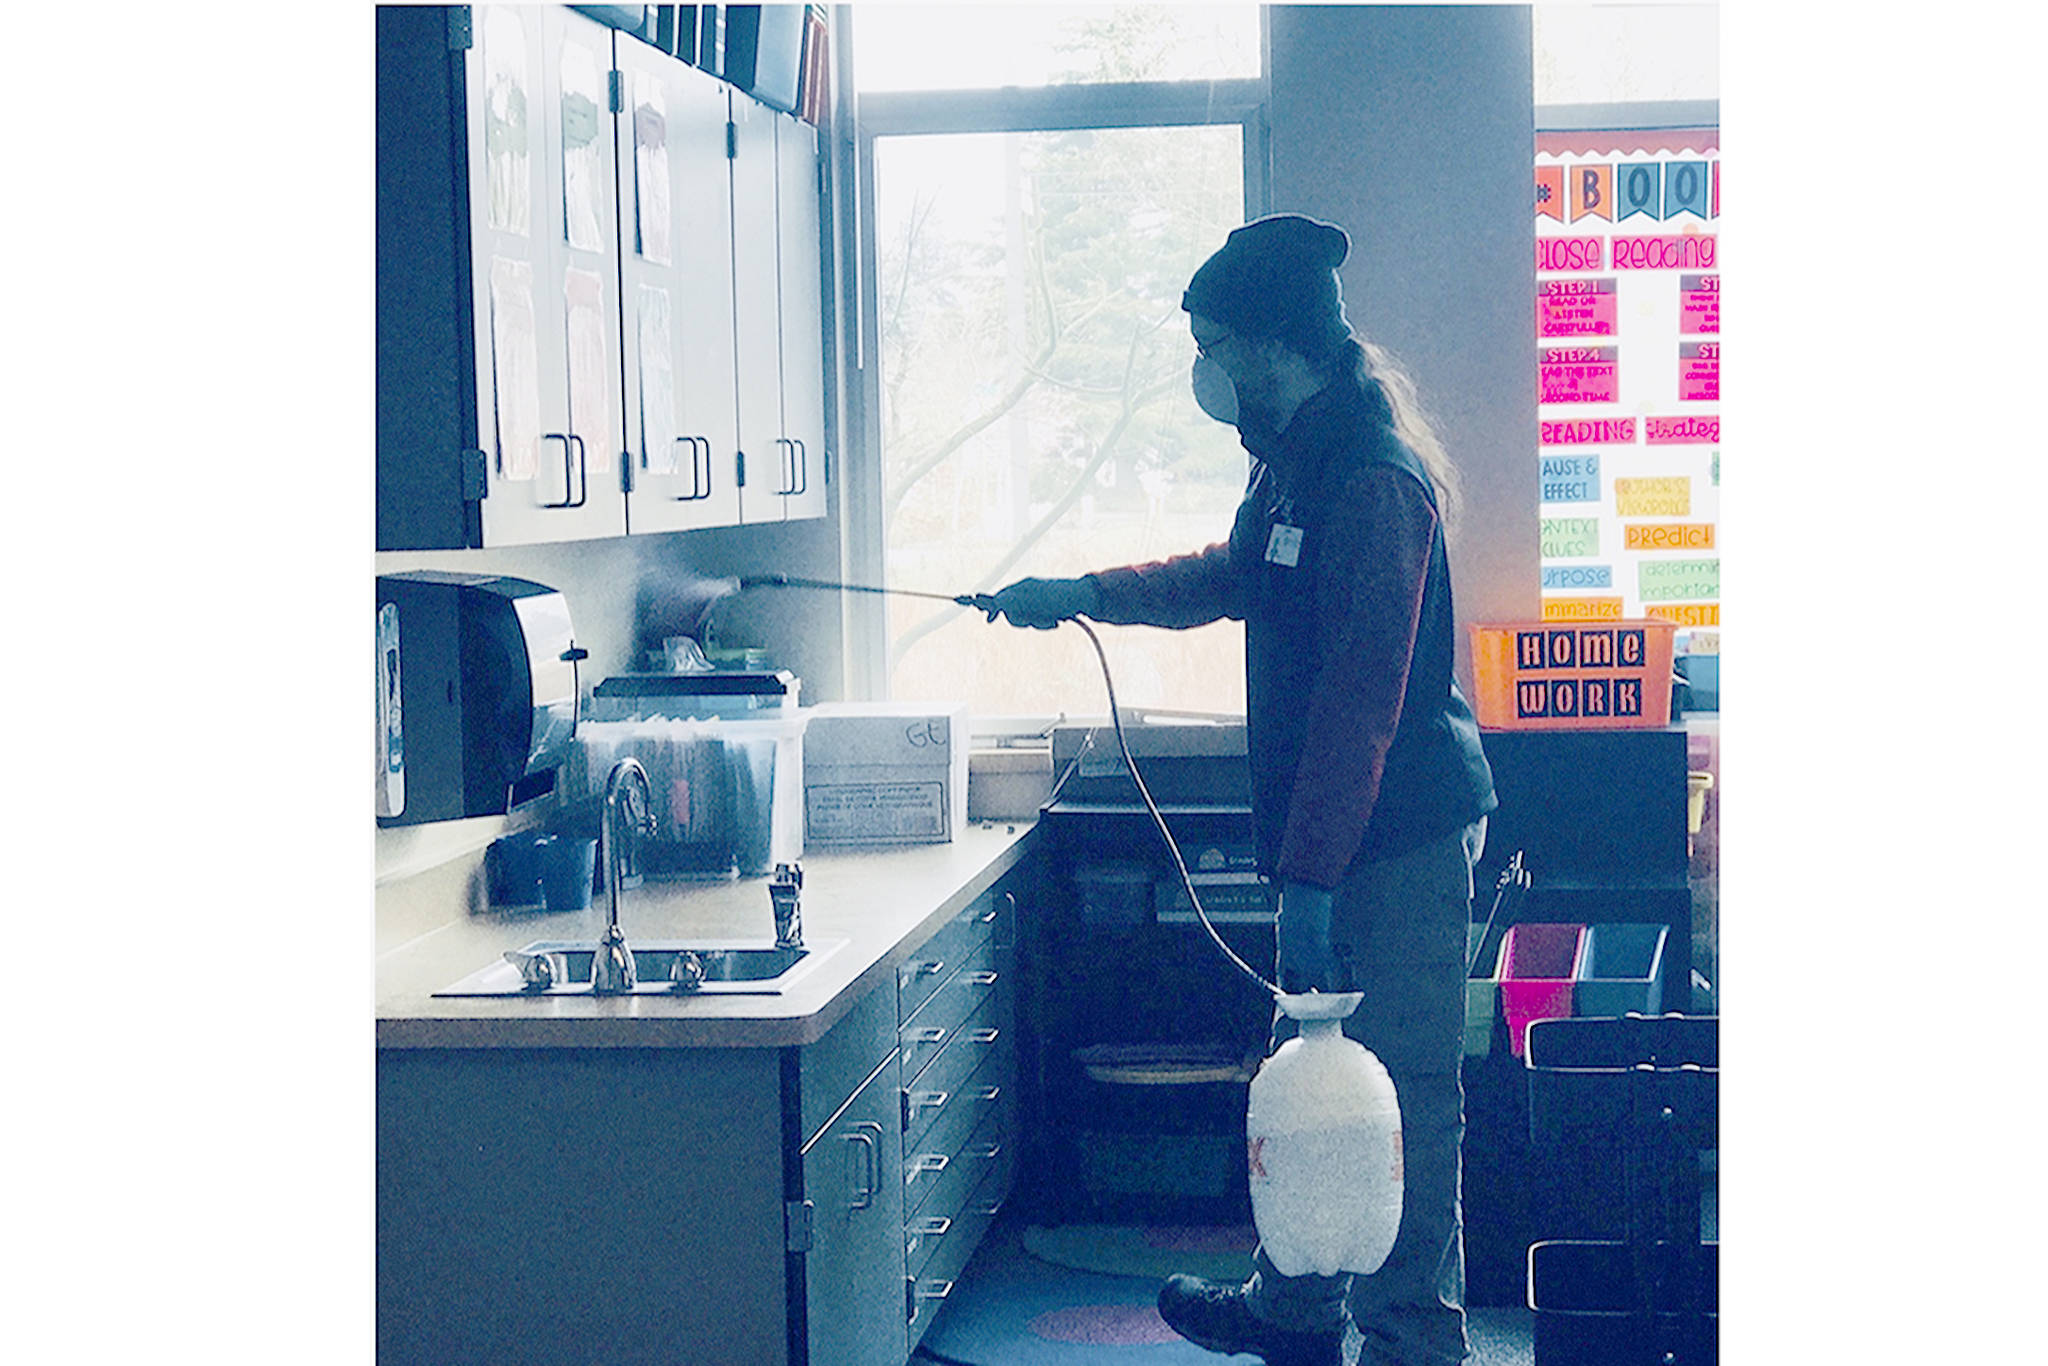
(470, 1032)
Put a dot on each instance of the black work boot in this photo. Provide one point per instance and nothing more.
(1214, 1315)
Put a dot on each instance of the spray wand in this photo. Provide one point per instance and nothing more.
(986, 603)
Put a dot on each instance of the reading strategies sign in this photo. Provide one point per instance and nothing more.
(1628, 324)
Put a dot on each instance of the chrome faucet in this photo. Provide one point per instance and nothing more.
(625, 815)
(785, 891)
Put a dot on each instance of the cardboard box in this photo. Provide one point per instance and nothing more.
(885, 773)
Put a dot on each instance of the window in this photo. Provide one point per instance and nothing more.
(985, 47)
(1027, 374)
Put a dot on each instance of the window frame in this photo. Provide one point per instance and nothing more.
(1245, 102)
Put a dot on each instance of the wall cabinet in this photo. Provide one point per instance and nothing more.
(780, 348)
(568, 226)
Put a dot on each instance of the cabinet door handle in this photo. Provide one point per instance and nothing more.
(988, 1152)
(575, 470)
(785, 449)
(870, 1171)
(802, 479)
(700, 485)
(989, 1093)
(984, 1035)
(982, 979)
(935, 1227)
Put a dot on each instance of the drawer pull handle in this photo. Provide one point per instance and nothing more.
(991, 1209)
(988, 1151)
(982, 979)
(930, 1164)
(934, 1290)
(984, 1035)
(990, 1093)
(934, 1034)
(932, 968)
(988, 917)
(935, 1100)
(934, 1227)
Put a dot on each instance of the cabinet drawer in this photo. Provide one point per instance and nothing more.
(927, 969)
(943, 1018)
(959, 1131)
(942, 1268)
(952, 1082)
(972, 1192)
(989, 1150)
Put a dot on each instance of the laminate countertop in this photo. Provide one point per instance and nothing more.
(864, 912)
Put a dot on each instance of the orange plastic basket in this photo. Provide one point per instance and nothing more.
(1554, 675)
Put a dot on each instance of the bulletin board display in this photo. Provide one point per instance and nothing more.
(1629, 377)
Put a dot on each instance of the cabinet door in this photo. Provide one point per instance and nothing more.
(853, 1272)
(675, 250)
(757, 327)
(544, 273)
(801, 456)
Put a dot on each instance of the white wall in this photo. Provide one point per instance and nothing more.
(1419, 139)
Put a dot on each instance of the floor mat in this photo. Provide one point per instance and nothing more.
(1016, 1306)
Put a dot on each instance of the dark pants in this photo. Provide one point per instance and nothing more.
(1402, 923)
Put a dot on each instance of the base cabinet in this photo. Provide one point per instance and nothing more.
(643, 1207)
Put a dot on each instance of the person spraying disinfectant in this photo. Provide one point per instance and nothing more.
(1369, 787)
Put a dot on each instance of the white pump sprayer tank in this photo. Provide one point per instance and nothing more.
(1324, 1146)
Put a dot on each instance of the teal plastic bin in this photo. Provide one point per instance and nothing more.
(1481, 995)
(1621, 971)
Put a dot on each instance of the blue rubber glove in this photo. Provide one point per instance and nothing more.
(1306, 960)
(1042, 604)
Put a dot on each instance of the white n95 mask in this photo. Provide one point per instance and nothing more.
(1214, 393)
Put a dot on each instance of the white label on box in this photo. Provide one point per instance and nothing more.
(876, 811)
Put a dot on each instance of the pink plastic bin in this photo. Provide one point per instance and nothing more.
(1537, 966)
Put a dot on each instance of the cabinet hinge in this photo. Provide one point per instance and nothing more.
(618, 82)
(732, 140)
(459, 35)
(739, 461)
(626, 476)
(476, 480)
(796, 1220)
(904, 1098)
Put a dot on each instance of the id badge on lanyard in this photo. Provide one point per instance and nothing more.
(1283, 545)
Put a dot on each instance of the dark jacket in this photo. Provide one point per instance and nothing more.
(1361, 745)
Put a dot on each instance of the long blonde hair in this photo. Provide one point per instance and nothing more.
(1378, 372)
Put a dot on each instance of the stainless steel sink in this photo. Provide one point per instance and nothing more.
(729, 968)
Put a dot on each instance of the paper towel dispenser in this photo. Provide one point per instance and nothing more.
(477, 682)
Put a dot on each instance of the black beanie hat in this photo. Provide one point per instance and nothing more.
(1276, 277)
